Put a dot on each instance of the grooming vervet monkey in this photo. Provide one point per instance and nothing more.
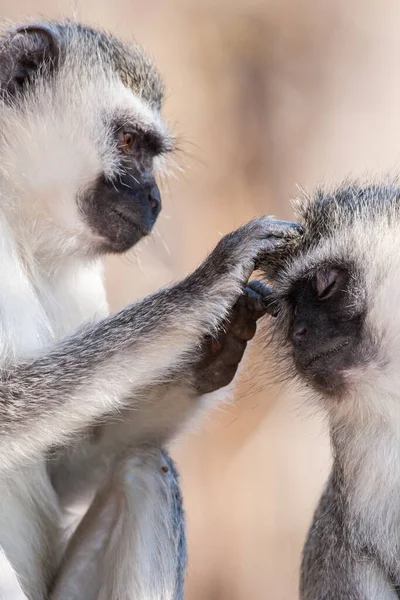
(81, 138)
(337, 296)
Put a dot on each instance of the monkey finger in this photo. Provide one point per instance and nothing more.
(253, 303)
(267, 302)
(241, 324)
(280, 233)
(249, 305)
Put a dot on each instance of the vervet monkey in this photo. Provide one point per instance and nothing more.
(81, 139)
(337, 297)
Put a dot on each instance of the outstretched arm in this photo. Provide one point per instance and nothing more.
(165, 408)
(96, 370)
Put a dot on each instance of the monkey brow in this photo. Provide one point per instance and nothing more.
(155, 142)
(151, 139)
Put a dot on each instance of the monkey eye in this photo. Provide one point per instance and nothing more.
(326, 282)
(126, 140)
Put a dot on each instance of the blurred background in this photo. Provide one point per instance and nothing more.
(265, 96)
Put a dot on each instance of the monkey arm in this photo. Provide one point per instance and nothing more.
(100, 367)
(77, 470)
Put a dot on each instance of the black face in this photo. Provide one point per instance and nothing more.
(325, 331)
(124, 209)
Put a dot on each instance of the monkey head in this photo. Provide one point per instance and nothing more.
(336, 292)
(81, 136)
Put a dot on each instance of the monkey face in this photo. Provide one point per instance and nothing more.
(121, 214)
(82, 136)
(337, 293)
(123, 208)
(324, 329)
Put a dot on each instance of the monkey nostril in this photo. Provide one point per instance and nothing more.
(154, 200)
(300, 333)
(153, 203)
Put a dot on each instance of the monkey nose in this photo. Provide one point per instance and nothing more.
(155, 200)
(299, 332)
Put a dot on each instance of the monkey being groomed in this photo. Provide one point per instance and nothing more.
(337, 299)
(88, 400)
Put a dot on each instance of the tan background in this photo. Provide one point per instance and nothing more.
(264, 95)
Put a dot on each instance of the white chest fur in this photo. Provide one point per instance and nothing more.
(369, 452)
(37, 308)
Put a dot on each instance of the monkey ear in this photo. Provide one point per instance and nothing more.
(31, 48)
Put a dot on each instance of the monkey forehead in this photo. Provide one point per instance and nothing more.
(368, 252)
(135, 69)
(128, 108)
(343, 225)
(97, 77)
(332, 251)
(333, 213)
(327, 211)
(87, 50)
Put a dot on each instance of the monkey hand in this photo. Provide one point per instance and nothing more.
(238, 253)
(222, 353)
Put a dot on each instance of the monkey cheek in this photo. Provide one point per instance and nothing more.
(120, 220)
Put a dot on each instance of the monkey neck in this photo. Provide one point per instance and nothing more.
(366, 447)
(363, 425)
(44, 221)
(43, 300)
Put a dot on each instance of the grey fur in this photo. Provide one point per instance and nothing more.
(336, 563)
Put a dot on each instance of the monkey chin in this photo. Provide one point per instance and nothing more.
(329, 371)
(121, 243)
(328, 383)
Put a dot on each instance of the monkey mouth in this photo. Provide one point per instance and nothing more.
(121, 232)
(326, 353)
(131, 222)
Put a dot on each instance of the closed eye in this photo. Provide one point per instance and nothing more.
(327, 282)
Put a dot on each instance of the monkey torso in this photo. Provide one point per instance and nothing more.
(354, 540)
(35, 311)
